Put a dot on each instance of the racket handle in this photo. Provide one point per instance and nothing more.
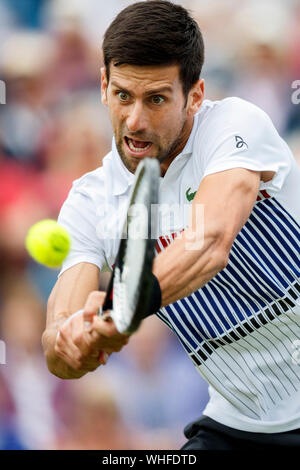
(108, 303)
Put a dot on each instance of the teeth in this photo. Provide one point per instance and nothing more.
(137, 149)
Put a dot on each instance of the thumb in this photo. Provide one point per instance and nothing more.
(91, 308)
(88, 316)
(88, 320)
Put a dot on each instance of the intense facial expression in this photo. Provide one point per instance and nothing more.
(149, 112)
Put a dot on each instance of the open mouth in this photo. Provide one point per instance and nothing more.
(137, 147)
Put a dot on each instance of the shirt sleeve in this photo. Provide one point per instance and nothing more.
(78, 215)
(241, 135)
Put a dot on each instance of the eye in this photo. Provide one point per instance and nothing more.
(157, 99)
(123, 96)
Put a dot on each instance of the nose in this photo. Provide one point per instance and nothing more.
(137, 119)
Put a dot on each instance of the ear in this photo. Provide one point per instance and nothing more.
(195, 97)
(103, 86)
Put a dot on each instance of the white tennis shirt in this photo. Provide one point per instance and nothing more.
(242, 329)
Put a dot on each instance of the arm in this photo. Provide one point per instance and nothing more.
(76, 351)
(228, 198)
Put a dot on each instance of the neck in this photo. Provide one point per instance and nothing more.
(180, 144)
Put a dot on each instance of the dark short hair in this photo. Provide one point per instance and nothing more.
(156, 32)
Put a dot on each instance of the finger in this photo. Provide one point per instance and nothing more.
(103, 357)
(105, 326)
(87, 343)
(89, 318)
(74, 358)
(68, 352)
(79, 336)
(111, 344)
(94, 302)
(73, 333)
(73, 341)
(77, 348)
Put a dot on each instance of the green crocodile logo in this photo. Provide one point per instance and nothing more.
(190, 196)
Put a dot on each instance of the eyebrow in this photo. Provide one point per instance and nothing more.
(157, 91)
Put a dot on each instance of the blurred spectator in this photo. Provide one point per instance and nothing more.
(261, 73)
(6, 21)
(93, 420)
(157, 387)
(262, 80)
(31, 387)
(294, 43)
(9, 436)
(27, 13)
(76, 64)
(25, 62)
(19, 209)
(92, 17)
(75, 141)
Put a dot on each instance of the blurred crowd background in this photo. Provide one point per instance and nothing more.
(53, 129)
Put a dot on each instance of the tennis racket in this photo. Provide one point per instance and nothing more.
(130, 288)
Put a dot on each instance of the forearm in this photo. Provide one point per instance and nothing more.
(181, 270)
(68, 296)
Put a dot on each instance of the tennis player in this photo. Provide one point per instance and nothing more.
(233, 300)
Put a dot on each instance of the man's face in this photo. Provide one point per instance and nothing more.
(148, 111)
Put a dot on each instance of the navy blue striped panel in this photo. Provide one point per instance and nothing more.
(260, 282)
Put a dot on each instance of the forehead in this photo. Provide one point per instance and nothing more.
(142, 78)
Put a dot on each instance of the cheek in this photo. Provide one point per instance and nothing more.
(172, 121)
(116, 115)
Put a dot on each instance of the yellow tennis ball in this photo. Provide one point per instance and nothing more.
(48, 243)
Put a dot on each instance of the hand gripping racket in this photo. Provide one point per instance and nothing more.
(131, 286)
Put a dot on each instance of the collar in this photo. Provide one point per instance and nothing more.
(123, 178)
(190, 142)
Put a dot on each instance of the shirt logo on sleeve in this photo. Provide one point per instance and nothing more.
(240, 143)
